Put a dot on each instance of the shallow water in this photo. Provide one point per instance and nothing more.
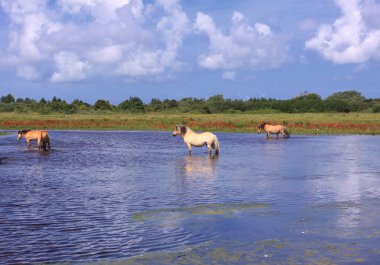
(107, 196)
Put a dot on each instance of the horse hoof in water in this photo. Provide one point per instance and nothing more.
(192, 138)
(41, 136)
(273, 129)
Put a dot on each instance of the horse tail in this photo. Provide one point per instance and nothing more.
(286, 132)
(216, 145)
(45, 140)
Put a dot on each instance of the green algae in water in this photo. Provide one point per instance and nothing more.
(270, 251)
(274, 243)
(215, 209)
(341, 205)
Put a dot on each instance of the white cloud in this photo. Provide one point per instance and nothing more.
(263, 29)
(251, 47)
(114, 37)
(173, 27)
(106, 55)
(69, 67)
(142, 63)
(352, 38)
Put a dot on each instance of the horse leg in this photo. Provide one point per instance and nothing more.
(209, 147)
(189, 147)
(277, 135)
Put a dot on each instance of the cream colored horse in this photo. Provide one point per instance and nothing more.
(273, 129)
(41, 137)
(192, 138)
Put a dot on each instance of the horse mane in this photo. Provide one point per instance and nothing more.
(24, 131)
(184, 129)
(262, 125)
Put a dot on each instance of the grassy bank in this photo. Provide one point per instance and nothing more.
(336, 123)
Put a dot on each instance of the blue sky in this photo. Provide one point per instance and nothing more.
(91, 49)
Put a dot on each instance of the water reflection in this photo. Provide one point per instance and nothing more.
(348, 182)
(200, 166)
(77, 202)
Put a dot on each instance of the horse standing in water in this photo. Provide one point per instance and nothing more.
(41, 137)
(192, 138)
(273, 129)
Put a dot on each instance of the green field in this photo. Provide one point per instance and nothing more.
(309, 123)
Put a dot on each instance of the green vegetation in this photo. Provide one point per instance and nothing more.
(347, 101)
(340, 113)
(298, 123)
(202, 209)
(271, 251)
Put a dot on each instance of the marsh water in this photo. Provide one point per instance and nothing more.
(138, 197)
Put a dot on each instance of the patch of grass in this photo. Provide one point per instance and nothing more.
(202, 209)
(308, 123)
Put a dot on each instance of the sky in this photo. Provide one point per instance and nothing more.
(114, 49)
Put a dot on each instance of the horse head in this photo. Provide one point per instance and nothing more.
(179, 129)
(21, 133)
(261, 127)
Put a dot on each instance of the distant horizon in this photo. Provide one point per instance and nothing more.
(175, 49)
(178, 99)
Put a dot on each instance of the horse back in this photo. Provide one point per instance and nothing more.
(33, 135)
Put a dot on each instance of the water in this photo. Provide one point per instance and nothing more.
(103, 196)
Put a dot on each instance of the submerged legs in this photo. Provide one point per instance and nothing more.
(209, 147)
(189, 147)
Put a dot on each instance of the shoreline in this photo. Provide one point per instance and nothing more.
(8, 132)
(303, 124)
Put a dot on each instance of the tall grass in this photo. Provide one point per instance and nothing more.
(309, 123)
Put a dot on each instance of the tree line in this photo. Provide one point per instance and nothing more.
(346, 101)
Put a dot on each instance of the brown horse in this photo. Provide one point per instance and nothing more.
(273, 129)
(41, 137)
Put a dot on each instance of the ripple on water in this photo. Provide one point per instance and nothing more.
(111, 195)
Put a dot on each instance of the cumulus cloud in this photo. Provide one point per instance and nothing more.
(173, 27)
(246, 46)
(77, 39)
(352, 38)
(106, 55)
(69, 67)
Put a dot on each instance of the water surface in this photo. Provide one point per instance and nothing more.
(108, 196)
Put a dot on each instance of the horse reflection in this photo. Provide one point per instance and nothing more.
(198, 166)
